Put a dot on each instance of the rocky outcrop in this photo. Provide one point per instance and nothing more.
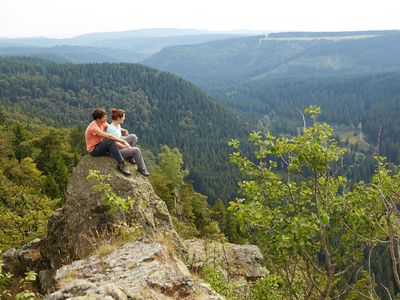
(84, 214)
(139, 270)
(152, 264)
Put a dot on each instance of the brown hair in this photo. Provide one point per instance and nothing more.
(98, 113)
(117, 113)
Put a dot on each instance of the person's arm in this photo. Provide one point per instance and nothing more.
(112, 137)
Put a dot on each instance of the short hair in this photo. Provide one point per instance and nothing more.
(117, 113)
(98, 113)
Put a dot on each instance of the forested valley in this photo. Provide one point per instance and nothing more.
(362, 109)
(269, 80)
(320, 201)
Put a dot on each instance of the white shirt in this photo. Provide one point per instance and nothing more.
(114, 130)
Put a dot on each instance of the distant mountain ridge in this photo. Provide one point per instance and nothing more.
(139, 43)
(85, 39)
(317, 34)
(261, 56)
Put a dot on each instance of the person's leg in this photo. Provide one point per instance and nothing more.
(136, 154)
(132, 139)
(108, 147)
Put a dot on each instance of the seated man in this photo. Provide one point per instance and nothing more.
(100, 143)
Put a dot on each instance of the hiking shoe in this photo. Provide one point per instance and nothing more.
(144, 172)
(123, 167)
(131, 160)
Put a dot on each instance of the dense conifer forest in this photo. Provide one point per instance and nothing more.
(370, 101)
(160, 108)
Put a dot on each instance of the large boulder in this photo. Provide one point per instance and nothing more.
(71, 230)
(235, 261)
(239, 264)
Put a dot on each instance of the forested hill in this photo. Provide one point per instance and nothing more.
(161, 108)
(282, 55)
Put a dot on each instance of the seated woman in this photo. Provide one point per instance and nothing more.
(131, 153)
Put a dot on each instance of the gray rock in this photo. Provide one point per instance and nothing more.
(235, 260)
(138, 270)
(238, 263)
(70, 229)
(28, 257)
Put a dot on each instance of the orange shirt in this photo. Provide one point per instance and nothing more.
(91, 137)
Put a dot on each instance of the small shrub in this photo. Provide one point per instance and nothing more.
(268, 287)
(23, 289)
(102, 185)
(186, 230)
(5, 278)
(215, 278)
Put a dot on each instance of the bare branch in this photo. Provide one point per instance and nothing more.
(387, 290)
(304, 119)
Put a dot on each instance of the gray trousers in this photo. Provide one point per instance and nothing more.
(133, 151)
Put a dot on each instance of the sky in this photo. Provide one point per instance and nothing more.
(68, 18)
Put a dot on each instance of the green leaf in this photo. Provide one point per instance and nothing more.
(325, 218)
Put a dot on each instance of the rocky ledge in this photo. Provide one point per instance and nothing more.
(154, 264)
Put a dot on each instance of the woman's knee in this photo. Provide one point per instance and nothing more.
(132, 139)
(135, 138)
(135, 150)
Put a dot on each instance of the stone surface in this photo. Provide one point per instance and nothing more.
(236, 261)
(139, 270)
(28, 257)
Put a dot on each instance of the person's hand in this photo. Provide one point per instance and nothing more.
(125, 132)
(126, 144)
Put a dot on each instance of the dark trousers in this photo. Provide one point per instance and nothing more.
(107, 147)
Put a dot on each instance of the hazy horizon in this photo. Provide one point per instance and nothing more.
(65, 19)
(198, 30)
(237, 31)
